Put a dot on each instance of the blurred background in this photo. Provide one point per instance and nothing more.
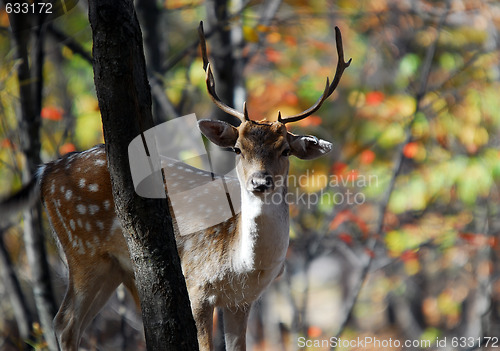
(394, 234)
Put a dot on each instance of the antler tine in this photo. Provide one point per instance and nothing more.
(209, 78)
(329, 89)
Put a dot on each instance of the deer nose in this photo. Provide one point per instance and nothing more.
(260, 182)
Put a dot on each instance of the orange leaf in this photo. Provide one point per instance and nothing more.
(273, 55)
(67, 148)
(410, 150)
(340, 218)
(291, 99)
(290, 40)
(52, 113)
(7, 144)
(314, 332)
(367, 157)
(311, 121)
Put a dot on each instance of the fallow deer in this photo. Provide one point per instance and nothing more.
(227, 265)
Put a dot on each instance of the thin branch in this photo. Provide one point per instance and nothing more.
(22, 313)
(191, 49)
(69, 42)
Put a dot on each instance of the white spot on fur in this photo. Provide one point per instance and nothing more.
(91, 247)
(93, 209)
(100, 162)
(106, 204)
(79, 222)
(62, 188)
(82, 182)
(72, 224)
(81, 248)
(116, 226)
(68, 194)
(94, 187)
(82, 209)
(99, 225)
(88, 227)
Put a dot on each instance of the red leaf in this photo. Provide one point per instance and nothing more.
(345, 238)
(408, 255)
(338, 168)
(478, 239)
(370, 253)
(374, 98)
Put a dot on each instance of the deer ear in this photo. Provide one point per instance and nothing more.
(308, 147)
(218, 132)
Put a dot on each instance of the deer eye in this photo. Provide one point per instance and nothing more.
(286, 153)
(236, 150)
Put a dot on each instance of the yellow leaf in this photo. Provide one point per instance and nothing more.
(250, 34)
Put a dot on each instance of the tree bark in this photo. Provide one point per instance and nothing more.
(125, 101)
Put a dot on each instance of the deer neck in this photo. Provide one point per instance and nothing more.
(262, 239)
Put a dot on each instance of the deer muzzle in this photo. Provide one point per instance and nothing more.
(260, 182)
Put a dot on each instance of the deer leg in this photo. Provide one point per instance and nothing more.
(86, 295)
(235, 327)
(64, 321)
(203, 314)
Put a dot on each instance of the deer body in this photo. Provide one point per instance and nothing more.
(227, 265)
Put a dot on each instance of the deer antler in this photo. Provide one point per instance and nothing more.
(211, 82)
(329, 89)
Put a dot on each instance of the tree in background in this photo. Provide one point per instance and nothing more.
(396, 234)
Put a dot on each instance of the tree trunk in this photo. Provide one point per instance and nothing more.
(125, 102)
(228, 70)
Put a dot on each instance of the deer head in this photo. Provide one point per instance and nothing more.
(263, 147)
